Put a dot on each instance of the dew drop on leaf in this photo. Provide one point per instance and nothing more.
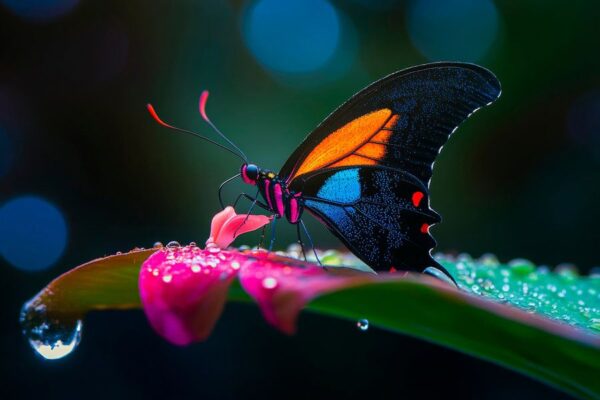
(362, 324)
(521, 266)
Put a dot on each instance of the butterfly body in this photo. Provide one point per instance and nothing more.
(278, 198)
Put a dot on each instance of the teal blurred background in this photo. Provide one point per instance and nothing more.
(84, 171)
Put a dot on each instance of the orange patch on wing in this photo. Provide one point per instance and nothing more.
(353, 161)
(384, 135)
(339, 145)
(371, 150)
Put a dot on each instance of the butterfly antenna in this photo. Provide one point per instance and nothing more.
(154, 115)
(202, 108)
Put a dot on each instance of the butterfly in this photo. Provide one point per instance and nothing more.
(364, 172)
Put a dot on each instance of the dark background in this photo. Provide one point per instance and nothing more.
(519, 179)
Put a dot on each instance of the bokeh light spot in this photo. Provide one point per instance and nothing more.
(40, 10)
(294, 36)
(33, 233)
(452, 29)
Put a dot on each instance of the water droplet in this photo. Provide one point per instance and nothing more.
(157, 245)
(439, 274)
(173, 244)
(119, 253)
(521, 266)
(543, 270)
(167, 278)
(269, 282)
(362, 324)
(49, 337)
(192, 244)
(235, 265)
(567, 271)
(196, 268)
(489, 259)
(595, 323)
(488, 285)
(505, 288)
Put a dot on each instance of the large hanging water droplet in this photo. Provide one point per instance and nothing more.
(362, 324)
(49, 337)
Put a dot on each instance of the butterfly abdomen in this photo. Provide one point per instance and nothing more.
(278, 197)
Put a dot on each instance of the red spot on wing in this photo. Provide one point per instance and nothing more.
(416, 198)
(425, 228)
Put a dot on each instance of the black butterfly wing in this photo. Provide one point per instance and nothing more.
(381, 214)
(424, 105)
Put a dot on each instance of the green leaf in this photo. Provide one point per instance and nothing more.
(522, 327)
(104, 283)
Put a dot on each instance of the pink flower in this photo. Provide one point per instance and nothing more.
(184, 289)
(227, 225)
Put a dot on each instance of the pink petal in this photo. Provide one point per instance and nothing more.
(237, 225)
(183, 291)
(227, 225)
(218, 221)
(283, 286)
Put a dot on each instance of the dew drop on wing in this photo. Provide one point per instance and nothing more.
(51, 338)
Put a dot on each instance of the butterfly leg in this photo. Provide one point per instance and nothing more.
(245, 219)
(262, 237)
(273, 224)
(300, 241)
(311, 242)
(252, 199)
(221, 189)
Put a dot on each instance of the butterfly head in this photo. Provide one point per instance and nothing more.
(250, 173)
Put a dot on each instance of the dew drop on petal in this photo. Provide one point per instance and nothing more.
(157, 245)
(173, 244)
(362, 324)
(167, 278)
(235, 265)
(269, 282)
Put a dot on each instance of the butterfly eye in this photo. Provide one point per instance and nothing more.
(250, 173)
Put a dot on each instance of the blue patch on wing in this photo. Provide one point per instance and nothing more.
(342, 187)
